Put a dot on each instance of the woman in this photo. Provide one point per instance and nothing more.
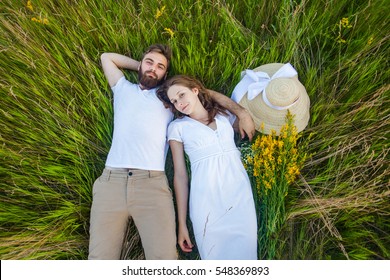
(221, 208)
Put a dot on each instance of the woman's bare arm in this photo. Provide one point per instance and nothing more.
(180, 181)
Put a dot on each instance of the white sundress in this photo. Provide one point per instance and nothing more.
(221, 205)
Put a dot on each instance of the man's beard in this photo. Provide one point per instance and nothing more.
(148, 82)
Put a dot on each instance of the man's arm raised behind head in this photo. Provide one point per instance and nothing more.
(112, 63)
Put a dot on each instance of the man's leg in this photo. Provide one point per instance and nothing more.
(109, 217)
(154, 215)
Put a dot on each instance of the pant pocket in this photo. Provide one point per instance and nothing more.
(165, 184)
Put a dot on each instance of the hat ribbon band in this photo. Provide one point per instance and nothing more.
(255, 82)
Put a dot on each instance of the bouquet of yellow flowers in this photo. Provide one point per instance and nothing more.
(273, 163)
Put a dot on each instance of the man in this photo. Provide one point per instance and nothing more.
(133, 183)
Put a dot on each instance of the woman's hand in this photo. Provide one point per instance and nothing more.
(184, 240)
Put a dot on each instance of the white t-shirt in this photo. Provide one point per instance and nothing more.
(140, 128)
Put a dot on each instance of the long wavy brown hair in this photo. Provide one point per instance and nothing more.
(208, 103)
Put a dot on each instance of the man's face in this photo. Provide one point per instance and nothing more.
(152, 70)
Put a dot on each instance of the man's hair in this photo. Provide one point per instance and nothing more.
(162, 49)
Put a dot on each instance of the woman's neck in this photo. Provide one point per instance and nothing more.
(200, 115)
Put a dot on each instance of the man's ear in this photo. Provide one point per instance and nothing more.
(195, 90)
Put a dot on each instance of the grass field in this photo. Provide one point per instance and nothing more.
(56, 113)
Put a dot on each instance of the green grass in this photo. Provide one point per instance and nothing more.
(56, 113)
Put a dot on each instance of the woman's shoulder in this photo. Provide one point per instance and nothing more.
(179, 121)
(223, 116)
(175, 129)
(228, 117)
(176, 124)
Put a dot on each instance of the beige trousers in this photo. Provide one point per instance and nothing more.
(144, 196)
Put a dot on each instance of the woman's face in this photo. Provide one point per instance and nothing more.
(183, 98)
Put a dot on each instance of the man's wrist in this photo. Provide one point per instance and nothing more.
(243, 113)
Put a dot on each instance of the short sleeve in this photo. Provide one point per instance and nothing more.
(119, 84)
(174, 132)
(123, 88)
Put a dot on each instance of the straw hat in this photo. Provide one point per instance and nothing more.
(268, 92)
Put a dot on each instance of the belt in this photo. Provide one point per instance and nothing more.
(133, 171)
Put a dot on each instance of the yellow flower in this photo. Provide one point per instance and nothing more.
(341, 40)
(292, 173)
(170, 31)
(274, 161)
(369, 42)
(262, 126)
(280, 144)
(43, 21)
(159, 12)
(344, 22)
(29, 6)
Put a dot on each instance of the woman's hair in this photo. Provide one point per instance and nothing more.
(204, 96)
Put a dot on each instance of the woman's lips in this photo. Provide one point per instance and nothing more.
(185, 107)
